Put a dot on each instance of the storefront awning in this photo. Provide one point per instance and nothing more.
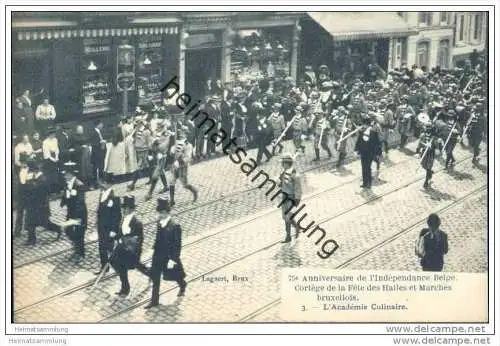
(345, 26)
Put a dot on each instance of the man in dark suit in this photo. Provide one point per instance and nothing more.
(98, 152)
(263, 136)
(368, 147)
(167, 248)
(74, 199)
(435, 245)
(108, 222)
(128, 249)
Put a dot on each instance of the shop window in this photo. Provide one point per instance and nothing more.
(425, 18)
(423, 54)
(261, 52)
(149, 70)
(444, 54)
(96, 72)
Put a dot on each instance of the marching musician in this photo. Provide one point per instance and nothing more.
(476, 130)
(429, 147)
(289, 182)
(74, 200)
(451, 134)
(239, 125)
(321, 135)
(299, 128)
(160, 158)
(404, 116)
(387, 124)
(108, 221)
(368, 148)
(182, 153)
(340, 131)
(142, 142)
(128, 245)
(277, 122)
(167, 248)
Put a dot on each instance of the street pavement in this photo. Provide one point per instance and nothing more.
(239, 233)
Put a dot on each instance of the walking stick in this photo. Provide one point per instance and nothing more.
(469, 83)
(101, 274)
(448, 139)
(278, 140)
(350, 134)
(342, 133)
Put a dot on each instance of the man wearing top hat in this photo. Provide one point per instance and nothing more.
(74, 200)
(290, 185)
(128, 248)
(167, 248)
(108, 222)
(368, 148)
(36, 201)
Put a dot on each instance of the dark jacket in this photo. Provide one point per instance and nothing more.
(108, 215)
(36, 201)
(127, 253)
(74, 200)
(168, 241)
(435, 248)
(368, 145)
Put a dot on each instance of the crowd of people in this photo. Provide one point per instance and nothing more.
(440, 107)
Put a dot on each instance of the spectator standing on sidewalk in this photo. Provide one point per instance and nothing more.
(432, 245)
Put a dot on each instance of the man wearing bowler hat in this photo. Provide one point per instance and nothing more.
(128, 248)
(167, 247)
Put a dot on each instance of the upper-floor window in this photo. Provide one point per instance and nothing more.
(425, 18)
(478, 26)
(443, 17)
(461, 28)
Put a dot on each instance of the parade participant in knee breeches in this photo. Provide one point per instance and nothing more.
(376, 121)
(387, 124)
(182, 152)
(476, 130)
(277, 121)
(429, 145)
(142, 142)
(128, 245)
(463, 114)
(108, 222)
(290, 185)
(160, 160)
(368, 147)
(404, 115)
(340, 131)
(74, 200)
(321, 134)
(326, 96)
(167, 248)
(451, 140)
(299, 128)
(37, 205)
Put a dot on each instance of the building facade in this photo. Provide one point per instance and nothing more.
(470, 34)
(432, 44)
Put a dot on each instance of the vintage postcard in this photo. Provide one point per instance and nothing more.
(249, 166)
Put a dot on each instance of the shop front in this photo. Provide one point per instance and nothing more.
(97, 67)
(347, 42)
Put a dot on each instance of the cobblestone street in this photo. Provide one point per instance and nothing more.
(234, 230)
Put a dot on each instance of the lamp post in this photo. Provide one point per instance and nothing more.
(125, 76)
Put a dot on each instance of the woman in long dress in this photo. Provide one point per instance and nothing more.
(114, 164)
(128, 139)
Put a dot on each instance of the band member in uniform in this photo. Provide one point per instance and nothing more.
(299, 128)
(36, 201)
(239, 125)
(368, 147)
(430, 145)
(289, 182)
(74, 200)
(454, 128)
(160, 159)
(182, 152)
(167, 247)
(142, 142)
(340, 131)
(277, 122)
(128, 247)
(108, 220)
(404, 115)
(387, 124)
(321, 135)
(476, 130)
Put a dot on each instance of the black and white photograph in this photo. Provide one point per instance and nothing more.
(184, 166)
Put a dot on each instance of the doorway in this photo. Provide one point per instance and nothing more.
(201, 65)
